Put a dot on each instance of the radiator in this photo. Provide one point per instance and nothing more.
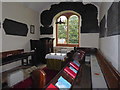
(15, 77)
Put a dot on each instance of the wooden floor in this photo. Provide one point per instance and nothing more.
(85, 81)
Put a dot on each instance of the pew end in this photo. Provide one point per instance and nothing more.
(39, 78)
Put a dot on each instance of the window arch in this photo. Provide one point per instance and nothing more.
(67, 30)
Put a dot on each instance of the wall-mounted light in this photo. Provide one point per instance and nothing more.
(60, 22)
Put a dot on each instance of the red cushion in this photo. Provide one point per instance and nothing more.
(74, 65)
(52, 87)
(24, 84)
(70, 72)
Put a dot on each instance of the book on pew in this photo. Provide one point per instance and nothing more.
(70, 72)
(51, 86)
(74, 65)
(62, 83)
(73, 69)
(77, 63)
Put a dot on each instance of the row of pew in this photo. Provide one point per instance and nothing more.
(102, 74)
(67, 76)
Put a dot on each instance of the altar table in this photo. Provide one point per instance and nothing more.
(55, 60)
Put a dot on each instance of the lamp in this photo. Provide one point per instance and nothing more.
(60, 22)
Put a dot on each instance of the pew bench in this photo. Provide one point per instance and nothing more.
(12, 61)
(111, 75)
(39, 75)
(19, 56)
(99, 74)
(98, 80)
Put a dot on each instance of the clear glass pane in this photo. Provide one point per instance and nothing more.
(62, 31)
(73, 30)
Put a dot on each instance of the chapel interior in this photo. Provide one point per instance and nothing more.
(60, 45)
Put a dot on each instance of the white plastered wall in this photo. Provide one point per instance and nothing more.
(119, 53)
(18, 12)
(89, 40)
(109, 45)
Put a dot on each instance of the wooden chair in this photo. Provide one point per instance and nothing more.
(39, 78)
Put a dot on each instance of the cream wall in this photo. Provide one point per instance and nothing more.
(89, 40)
(20, 13)
(86, 40)
(109, 47)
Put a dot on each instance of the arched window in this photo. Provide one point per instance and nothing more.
(67, 30)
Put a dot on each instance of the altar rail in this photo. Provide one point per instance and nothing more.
(112, 76)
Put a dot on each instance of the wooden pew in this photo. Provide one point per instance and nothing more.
(16, 55)
(39, 75)
(65, 76)
(9, 53)
(98, 80)
(39, 78)
(73, 81)
(111, 75)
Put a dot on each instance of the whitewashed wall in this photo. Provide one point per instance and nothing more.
(89, 40)
(20, 13)
(109, 47)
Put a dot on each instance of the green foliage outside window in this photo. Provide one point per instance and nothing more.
(72, 30)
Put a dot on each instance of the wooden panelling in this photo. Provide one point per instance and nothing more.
(111, 75)
(9, 53)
